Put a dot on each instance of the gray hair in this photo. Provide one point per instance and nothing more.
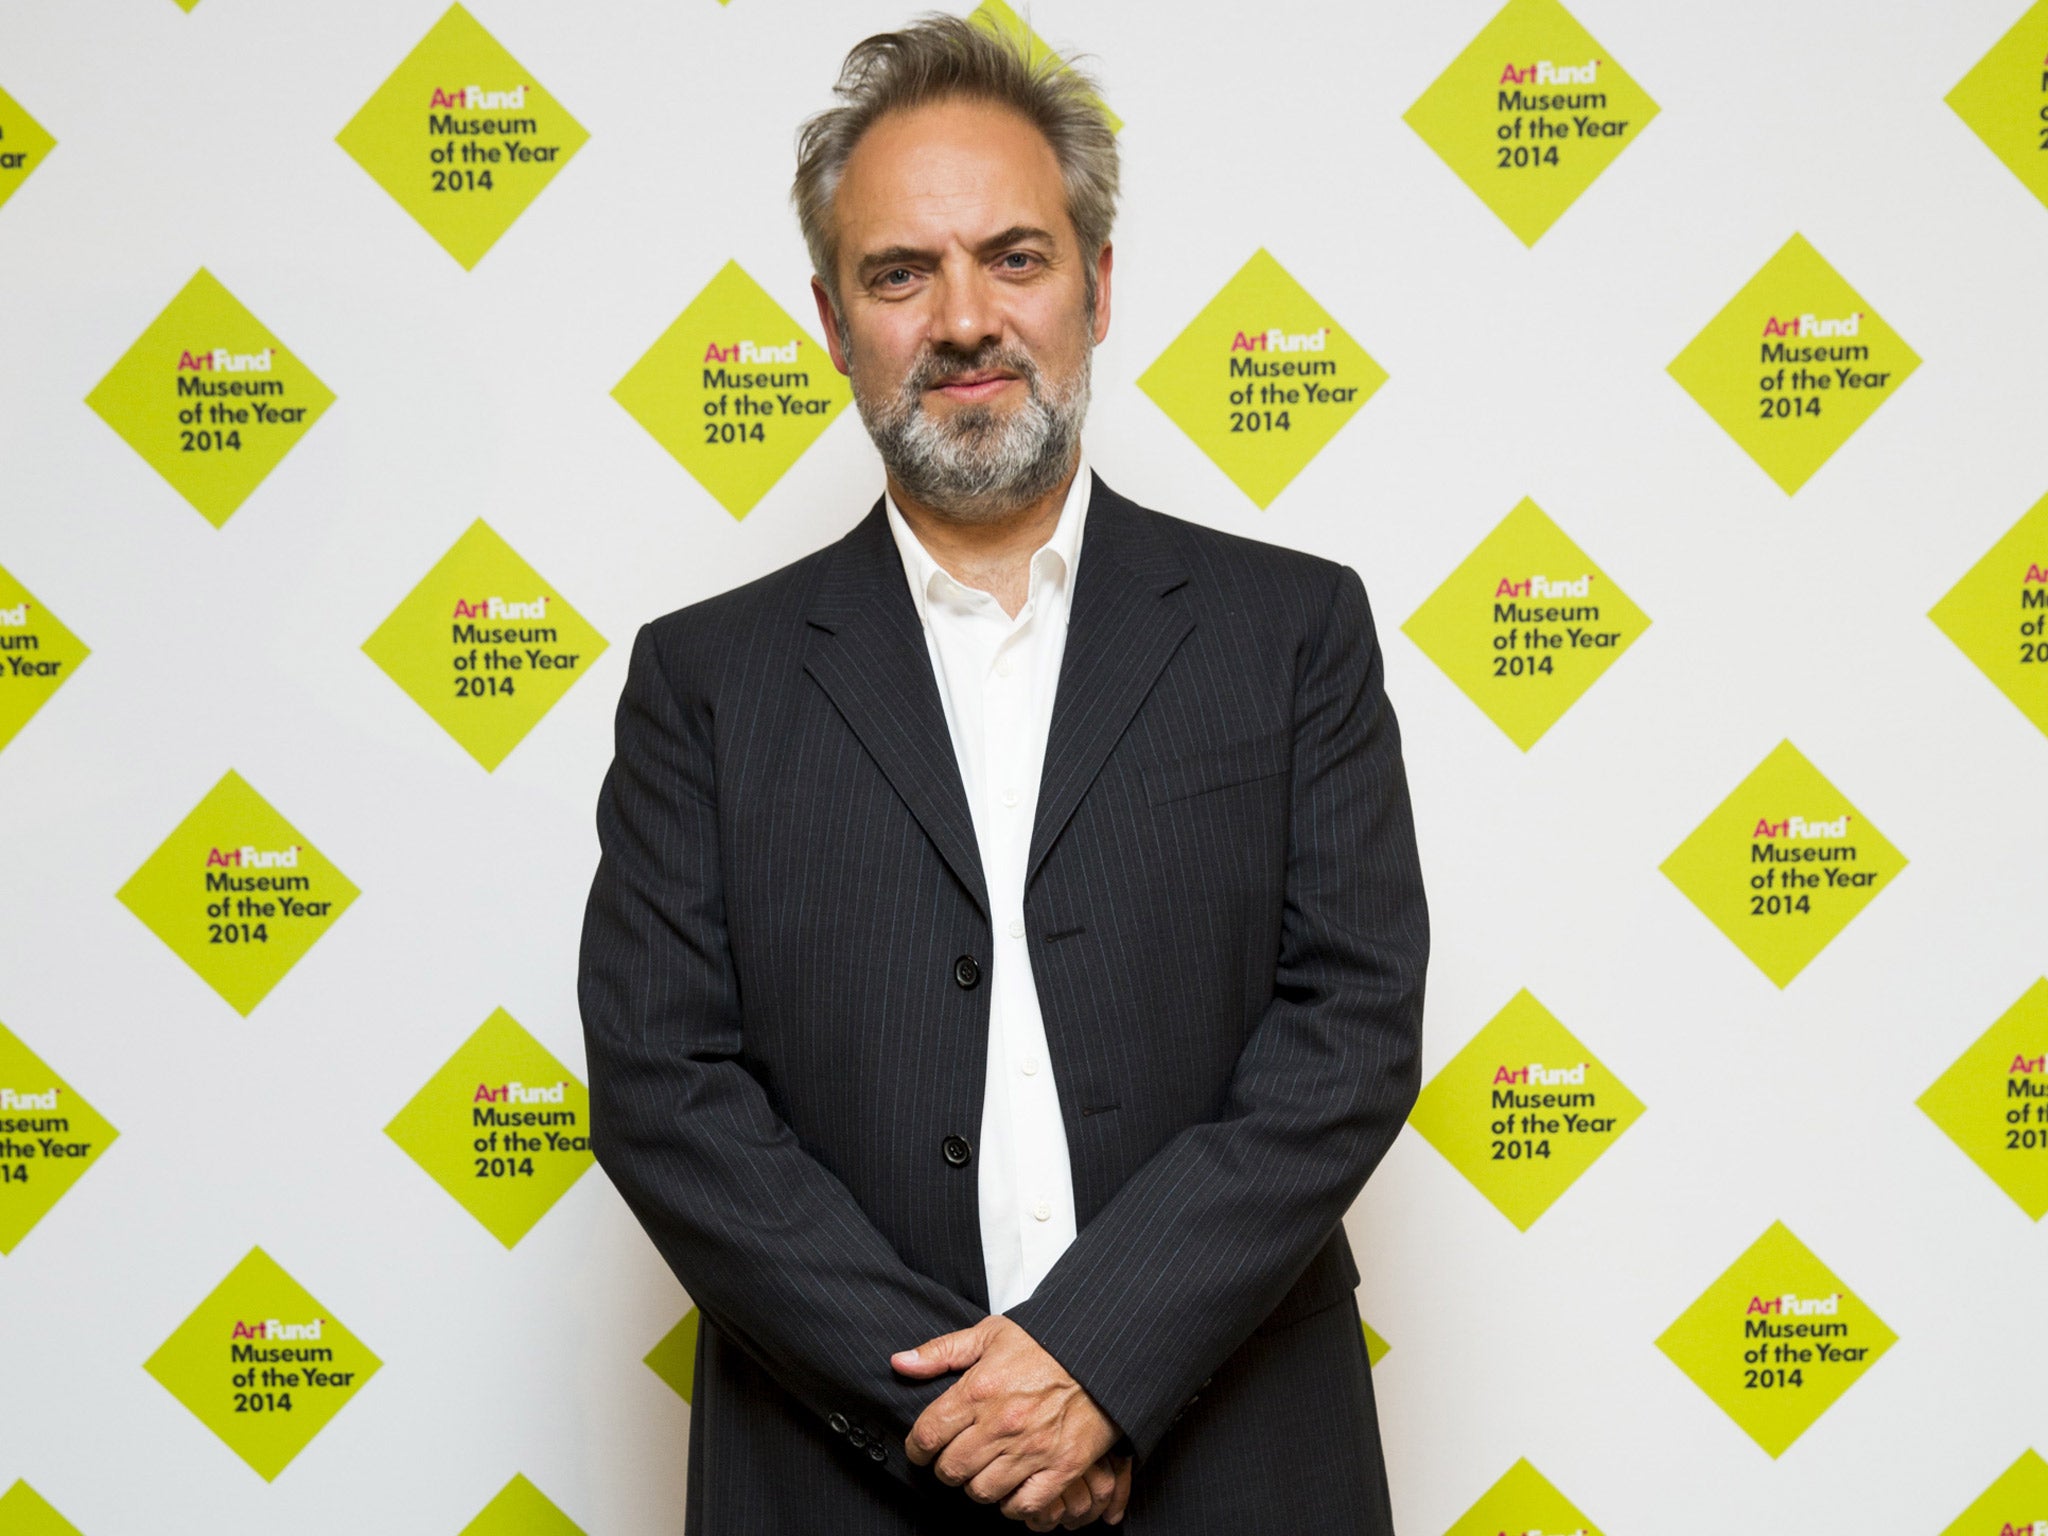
(941, 58)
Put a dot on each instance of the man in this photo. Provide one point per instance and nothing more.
(1006, 959)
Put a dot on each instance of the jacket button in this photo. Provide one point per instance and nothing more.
(857, 1437)
(876, 1453)
(957, 1150)
(966, 971)
(837, 1423)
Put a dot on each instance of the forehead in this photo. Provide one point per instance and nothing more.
(952, 171)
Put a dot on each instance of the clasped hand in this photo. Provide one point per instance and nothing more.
(1016, 1428)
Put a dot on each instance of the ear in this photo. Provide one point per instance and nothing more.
(828, 317)
(1104, 260)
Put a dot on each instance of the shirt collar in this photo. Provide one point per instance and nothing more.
(1057, 557)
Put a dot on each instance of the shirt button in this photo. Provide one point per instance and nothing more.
(1003, 668)
(1028, 1066)
(956, 1150)
(965, 971)
(1043, 1210)
(1009, 797)
(1016, 927)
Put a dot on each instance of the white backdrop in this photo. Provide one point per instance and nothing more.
(208, 140)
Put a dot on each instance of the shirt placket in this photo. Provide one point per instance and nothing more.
(1012, 795)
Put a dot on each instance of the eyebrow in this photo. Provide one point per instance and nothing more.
(900, 255)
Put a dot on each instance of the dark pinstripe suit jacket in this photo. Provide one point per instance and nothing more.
(1228, 934)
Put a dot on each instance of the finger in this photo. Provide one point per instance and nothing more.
(970, 1455)
(943, 1419)
(1035, 1496)
(1122, 1496)
(1002, 1481)
(1081, 1502)
(1100, 1481)
(934, 1357)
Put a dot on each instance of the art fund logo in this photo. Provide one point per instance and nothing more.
(752, 352)
(519, 1093)
(271, 1328)
(1789, 1305)
(1536, 1072)
(14, 1098)
(474, 98)
(1544, 586)
(1543, 72)
(1273, 339)
(2024, 1528)
(1799, 826)
(2035, 573)
(252, 858)
(1813, 325)
(501, 608)
(221, 360)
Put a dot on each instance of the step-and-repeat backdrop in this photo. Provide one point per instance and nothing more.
(1673, 376)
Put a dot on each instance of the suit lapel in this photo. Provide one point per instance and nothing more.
(1122, 628)
(867, 651)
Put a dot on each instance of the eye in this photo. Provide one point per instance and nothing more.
(1017, 261)
(896, 276)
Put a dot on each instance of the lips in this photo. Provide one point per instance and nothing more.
(978, 385)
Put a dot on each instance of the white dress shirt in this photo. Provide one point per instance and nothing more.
(997, 676)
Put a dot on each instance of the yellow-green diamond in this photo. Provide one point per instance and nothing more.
(2004, 99)
(1525, 1503)
(2015, 1505)
(1526, 624)
(1375, 1347)
(1776, 1340)
(1530, 114)
(262, 1364)
(1262, 378)
(1998, 614)
(1783, 864)
(484, 645)
(37, 656)
(503, 1127)
(24, 1512)
(23, 146)
(734, 389)
(50, 1137)
(210, 398)
(674, 1359)
(237, 893)
(999, 18)
(1523, 1110)
(462, 136)
(520, 1509)
(1993, 1103)
(1793, 364)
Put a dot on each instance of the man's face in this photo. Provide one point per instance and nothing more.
(964, 325)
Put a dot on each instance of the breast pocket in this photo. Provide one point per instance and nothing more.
(1212, 768)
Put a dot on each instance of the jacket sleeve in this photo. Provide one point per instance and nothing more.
(1201, 1243)
(770, 1245)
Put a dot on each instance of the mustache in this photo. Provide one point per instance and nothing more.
(936, 366)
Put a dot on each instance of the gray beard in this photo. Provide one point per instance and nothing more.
(978, 466)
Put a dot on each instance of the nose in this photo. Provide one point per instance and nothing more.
(966, 313)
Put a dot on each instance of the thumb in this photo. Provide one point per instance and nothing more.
(935, 1357)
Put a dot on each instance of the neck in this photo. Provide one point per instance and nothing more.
(992, 554)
